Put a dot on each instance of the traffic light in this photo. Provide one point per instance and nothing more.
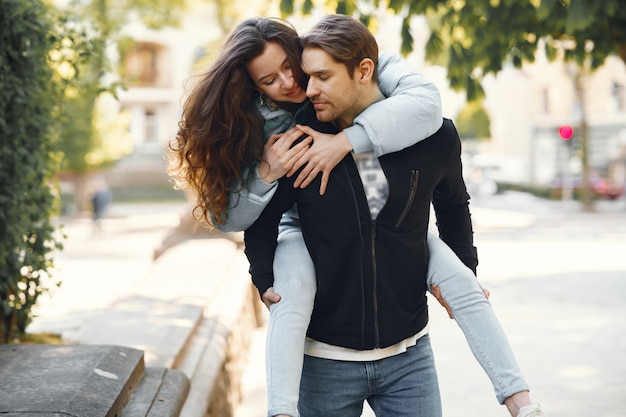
(566, 132)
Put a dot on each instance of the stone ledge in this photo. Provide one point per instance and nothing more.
(216, 356)
(160, 328)
(161, 393)
(190, 319)
(68, 380)
(193, 312)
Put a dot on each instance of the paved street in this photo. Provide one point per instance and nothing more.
(557, 277)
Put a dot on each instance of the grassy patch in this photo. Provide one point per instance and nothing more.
(39, 339)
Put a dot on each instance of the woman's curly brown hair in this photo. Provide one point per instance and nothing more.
(220, 136)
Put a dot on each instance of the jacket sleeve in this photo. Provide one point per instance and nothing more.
(260, 238)
(245, 206)
(411, 112)
(451, 206)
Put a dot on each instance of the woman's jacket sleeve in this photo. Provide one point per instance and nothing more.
(245, 206)
(411, 112)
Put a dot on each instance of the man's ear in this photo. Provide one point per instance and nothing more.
(366, 70)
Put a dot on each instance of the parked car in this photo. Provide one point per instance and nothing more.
(600, 186)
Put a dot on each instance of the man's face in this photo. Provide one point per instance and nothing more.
(332, 91)
(272, 74)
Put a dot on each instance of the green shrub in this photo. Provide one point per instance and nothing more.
(27, 237)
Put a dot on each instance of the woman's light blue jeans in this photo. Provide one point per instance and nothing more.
(403, 385)
(294, 280)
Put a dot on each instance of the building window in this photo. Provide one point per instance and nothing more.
(151, 127)
(141, 65)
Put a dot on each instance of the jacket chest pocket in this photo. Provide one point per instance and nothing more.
(415, 175)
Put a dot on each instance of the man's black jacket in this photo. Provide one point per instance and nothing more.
(371, 274)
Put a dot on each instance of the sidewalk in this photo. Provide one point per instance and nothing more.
(557, 277)
(98, 268)
(177, 310)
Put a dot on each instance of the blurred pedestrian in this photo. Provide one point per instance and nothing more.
(100, 201)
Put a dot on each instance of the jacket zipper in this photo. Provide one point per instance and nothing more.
(375, 284)
(415, 175)
(358, 225)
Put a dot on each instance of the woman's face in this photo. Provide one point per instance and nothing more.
(273, 75)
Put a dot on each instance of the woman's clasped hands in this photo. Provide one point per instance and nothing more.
(316, 153)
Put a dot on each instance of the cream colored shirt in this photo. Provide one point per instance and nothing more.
(324, 350)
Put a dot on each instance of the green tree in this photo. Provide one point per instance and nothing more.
(472, 122)
(86, 30)
(479, 36)
(581, 32)
(27, 162)
(73, 59)
(52, 64)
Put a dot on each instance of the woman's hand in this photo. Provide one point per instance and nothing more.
(325, 153)
(279, 156)
(270, 297)
(436, 292)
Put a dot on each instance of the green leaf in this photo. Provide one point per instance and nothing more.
(307, 7)
(407, 38)
(396, 5)
(475, 90)
(434, 45)
(286, 7)
(578, 17)
(545, 9)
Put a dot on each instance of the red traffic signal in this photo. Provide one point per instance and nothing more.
(566, 132)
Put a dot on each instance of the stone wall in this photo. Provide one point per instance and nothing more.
(194, 312)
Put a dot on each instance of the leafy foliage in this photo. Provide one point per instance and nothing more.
(27, 162)
(472, 122)
(85, 29)
(479, 36)
(51, 67)
(78, 62)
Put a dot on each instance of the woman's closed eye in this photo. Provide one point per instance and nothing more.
(268, 81)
